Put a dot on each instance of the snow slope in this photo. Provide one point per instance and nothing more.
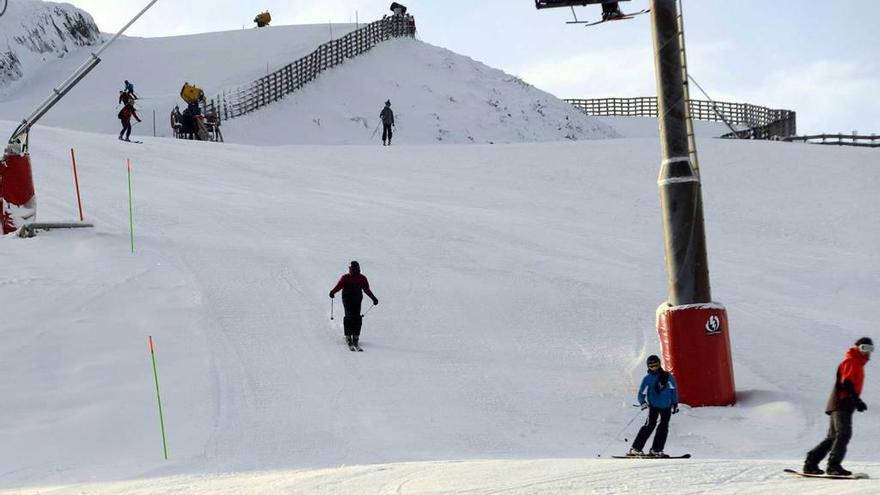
(438, 96)
(158, 67)
(517, 288)
(33, 32)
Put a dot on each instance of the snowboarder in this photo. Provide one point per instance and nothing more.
(845, 399)
(353, 284)
(659, 394)
(387, 117)
(125, 115)
(611, 10)
(129, 88)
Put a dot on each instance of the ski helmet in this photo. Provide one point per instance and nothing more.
(652, 359)
(865, 345)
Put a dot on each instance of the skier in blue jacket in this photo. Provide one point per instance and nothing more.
(659, 394)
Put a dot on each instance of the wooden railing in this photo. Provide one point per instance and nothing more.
(872, 141)
(274, 86)
(760, 122)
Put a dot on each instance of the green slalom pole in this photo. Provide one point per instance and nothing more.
(130, 208)
(158, 398)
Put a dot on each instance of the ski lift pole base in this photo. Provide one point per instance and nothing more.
(18, 201)
(30, 230)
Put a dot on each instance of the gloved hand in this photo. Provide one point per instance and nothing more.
(375, 302)
(332, 295)
(644, 405)
(861, 406)
(675, 409)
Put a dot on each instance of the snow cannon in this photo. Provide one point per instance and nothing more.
(18, 202)
(695, 344)
(263, 19)
(191, 94)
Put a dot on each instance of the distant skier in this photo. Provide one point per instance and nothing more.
(845, 399)
(353, 284)
(125, 115)
(129, 88)
(387, 117)
(659, 393)
(610, 11)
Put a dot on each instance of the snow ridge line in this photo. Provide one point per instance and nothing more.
(273, 87)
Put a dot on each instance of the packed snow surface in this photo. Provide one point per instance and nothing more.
(517, 287)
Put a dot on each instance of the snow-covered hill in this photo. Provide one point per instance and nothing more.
(517, 288)
(439, 96)
(33, 32)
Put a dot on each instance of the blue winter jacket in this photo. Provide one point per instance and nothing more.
(663, 399)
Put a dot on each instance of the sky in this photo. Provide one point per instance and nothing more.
(810, 56)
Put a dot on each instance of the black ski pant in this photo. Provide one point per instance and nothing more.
(838, 437)
(353, 320)
(126, 128)
(386, 132)
(648, 428)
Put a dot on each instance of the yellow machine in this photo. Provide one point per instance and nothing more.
(263, 19)
(191, 93)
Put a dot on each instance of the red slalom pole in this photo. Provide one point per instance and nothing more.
(76, 182)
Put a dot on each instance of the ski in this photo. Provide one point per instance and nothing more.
(621, 18)
(646, 456)
(352, 348)
(854, 476)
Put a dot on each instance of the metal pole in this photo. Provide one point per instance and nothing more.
(154, 123)
(678, 180)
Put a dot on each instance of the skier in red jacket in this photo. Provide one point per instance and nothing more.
(845, 398)
(125, 116)
(353, 285)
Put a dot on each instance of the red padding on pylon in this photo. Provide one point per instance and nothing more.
(695, 343)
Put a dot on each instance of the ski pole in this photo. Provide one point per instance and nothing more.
(331, 308)
(368, 310)
(620, 432)
(375, 131)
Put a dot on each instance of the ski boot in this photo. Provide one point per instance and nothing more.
(656, 453)
(634, 452)
(837, 470)
(812, 468)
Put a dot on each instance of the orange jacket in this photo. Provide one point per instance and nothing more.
(852, 368)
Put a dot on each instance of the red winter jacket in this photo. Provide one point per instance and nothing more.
(351, 286)
(853, 369)
(128, 112)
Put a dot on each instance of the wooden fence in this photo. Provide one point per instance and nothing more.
(760, 122)
(274, 86)
(872, 141)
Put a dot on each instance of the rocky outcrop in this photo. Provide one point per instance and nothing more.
(33, 31)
